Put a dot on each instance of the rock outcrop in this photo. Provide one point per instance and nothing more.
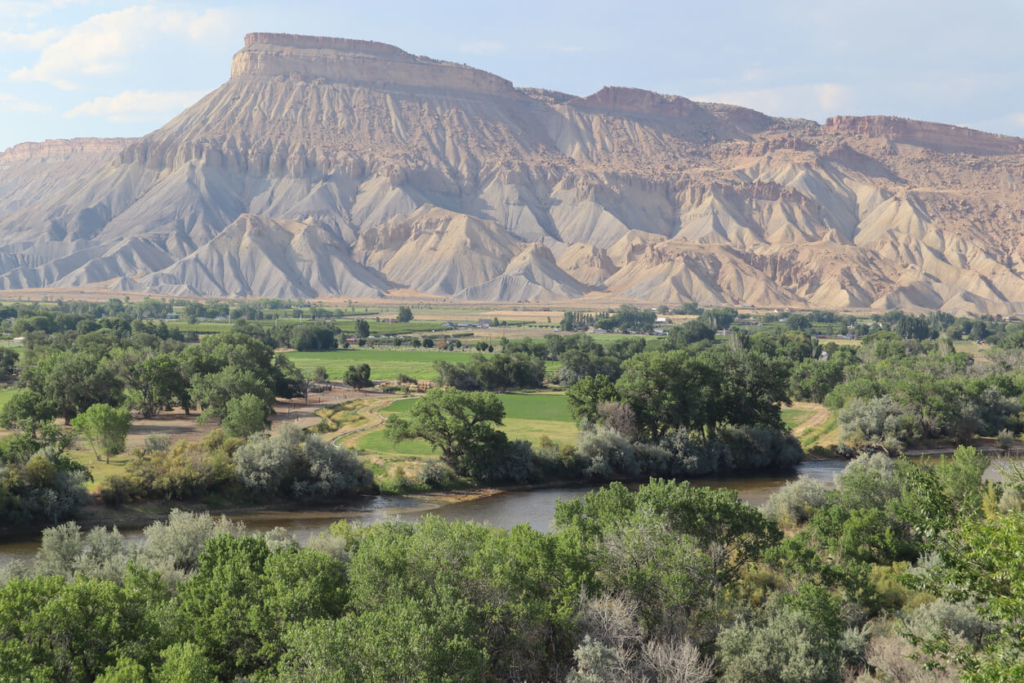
(333, 167)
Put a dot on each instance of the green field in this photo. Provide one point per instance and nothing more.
(528, 416)
(384, 363)
(5, 395)
(794, 417)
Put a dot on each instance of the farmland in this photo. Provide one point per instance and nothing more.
(386, 363)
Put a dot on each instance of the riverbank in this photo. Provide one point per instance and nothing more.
(504, 507)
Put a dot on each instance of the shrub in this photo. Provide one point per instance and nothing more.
(797, 501)
(327, 470)
(284, 464)
(436, 475)
(755, 448)
(604, 453)
(792, 639)
(936, 619)
(185, 471)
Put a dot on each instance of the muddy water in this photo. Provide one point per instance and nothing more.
(504, 509)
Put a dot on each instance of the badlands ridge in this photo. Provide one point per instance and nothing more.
(329, 167)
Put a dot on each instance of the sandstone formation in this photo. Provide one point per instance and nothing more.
(332, 167)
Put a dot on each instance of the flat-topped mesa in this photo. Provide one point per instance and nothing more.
(637, 101)
(358, 62)
(939, 136)
(62, 149)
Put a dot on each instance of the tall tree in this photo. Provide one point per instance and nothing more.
(460, 424)
(105, 428)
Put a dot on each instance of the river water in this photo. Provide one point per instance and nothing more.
(504, 509)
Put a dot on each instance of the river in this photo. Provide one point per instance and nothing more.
(505, 509)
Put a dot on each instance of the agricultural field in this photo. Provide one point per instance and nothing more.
(385, 363)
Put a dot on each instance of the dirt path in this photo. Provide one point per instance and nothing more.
(819, 416)
(376, 420)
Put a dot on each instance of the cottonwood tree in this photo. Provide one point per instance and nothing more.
(245, 415)
(105, 428)
(461, 424)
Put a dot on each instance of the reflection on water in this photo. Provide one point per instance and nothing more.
(536, 507)
(507, 509)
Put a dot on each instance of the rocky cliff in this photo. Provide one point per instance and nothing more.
(337, 167)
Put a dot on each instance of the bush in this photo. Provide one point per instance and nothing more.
(936, 619)
(436, 475)
(796, 502)
(756, 448)
(327, 470)
(792, 639)
(284, 464)
(605, 454)
(185, 471)
(46, 487)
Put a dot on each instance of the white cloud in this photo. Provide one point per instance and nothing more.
(103, 43)
(30, 9)
(136, 105)
(10, 103)
(807, 101)
(12, 42)
(483, 47)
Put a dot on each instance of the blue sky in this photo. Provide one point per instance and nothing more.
(71, 68)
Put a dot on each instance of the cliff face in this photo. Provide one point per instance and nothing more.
(937, 136)
(32, 170)
(362, 62)
(332, 167)
(63, 149)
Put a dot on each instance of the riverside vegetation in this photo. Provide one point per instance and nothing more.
(901, 572)
(689, 403)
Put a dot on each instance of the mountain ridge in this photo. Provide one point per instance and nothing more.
(415, 174)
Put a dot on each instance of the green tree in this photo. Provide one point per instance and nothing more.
(461, 424)
(245, 415)
(358, 377)
(404, 314)
(105, 428)
(27, 410)
(152, 382)
(213, 391)
(584, 396)
(72, 381)
(362, 328)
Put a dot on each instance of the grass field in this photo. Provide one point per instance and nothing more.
(528, 416)
(384, 363)
(5, 395)
(794, 417)
(101, 470)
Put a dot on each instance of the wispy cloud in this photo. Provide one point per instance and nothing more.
(102, 44)
(136, 105)
(10, 103)
(482, 47)
(30, 9)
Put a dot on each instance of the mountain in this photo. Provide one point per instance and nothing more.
(331, 167)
